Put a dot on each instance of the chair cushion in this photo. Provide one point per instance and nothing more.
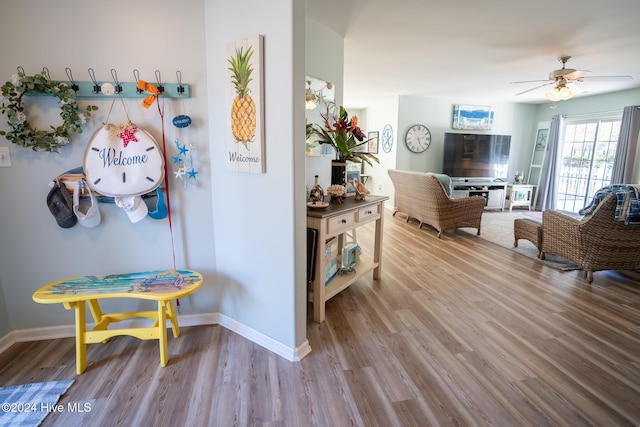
(445, 180)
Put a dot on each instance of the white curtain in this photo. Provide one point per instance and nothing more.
(627, 146)
(556, 135)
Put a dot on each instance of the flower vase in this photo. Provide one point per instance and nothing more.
(338, 172)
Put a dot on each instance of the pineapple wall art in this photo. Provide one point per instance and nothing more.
(245, 101)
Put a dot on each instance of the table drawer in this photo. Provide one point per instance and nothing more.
(369, 213)
(343, 222)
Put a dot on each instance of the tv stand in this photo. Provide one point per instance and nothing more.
(493, 190)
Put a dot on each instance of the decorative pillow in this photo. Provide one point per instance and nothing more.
(445, 180)
(123, 160)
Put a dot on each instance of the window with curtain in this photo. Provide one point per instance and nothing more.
(588, 153)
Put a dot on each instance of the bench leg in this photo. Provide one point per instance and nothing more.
(171, 314)
(81, 345)
(162, 333)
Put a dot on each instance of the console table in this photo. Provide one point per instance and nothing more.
(493, 190)
(162, 286)
(335, 221)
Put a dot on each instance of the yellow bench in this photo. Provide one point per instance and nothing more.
(162, 286)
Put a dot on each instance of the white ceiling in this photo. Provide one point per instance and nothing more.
(474, 49)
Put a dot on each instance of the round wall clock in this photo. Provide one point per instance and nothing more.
(387, 138)
(418, 138)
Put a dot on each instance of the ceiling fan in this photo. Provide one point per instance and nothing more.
(565, 81)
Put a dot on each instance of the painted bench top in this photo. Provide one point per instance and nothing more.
(152, 285)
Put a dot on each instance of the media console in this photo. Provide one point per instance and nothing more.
(493, 190)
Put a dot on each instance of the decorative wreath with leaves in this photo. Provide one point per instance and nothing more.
(21, 132)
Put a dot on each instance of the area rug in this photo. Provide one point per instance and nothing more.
(533, 214)
(28, 404)
(497, 227)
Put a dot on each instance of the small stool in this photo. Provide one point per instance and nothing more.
(528, 229)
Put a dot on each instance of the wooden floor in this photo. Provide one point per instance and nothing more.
(459, 331)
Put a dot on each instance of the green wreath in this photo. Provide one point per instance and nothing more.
(23, 134)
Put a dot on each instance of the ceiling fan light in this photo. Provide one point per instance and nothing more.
(560, 93)
(310, 100)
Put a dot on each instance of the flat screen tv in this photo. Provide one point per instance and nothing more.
(476, 155)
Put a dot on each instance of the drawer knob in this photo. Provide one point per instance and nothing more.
(344, 221)
(369, 212)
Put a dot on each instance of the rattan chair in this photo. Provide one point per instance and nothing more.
(595, 243)
(422, 197)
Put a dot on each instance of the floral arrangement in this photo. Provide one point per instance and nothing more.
(344, 135)
(21, 132)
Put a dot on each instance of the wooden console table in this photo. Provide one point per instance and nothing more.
(161, 286)
(335, 221)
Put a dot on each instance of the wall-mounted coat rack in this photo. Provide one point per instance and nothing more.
(129, 90)
(93, 88)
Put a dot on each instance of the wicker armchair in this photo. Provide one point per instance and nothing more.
(422, 196)
(595, 243)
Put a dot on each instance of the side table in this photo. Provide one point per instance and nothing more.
(519, 195)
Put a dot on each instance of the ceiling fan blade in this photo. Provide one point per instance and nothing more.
(575, 87)
(533, 81)
(534, 88)
(603, 78)
(575, 74)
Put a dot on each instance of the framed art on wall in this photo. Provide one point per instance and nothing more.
(245, 101)
(387, 138)
(473, 117)
(373, 141)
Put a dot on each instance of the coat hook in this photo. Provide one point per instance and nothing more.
(21, 70)
(92, 75)
(74, 86)
(114, 75)
(136, 75)
(160, 87)
(180, 87)
(45, 71)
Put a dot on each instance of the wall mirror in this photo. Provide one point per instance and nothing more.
(320, 95)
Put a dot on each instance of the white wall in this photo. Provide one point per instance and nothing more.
(258, 219)
(374, 120)
(243, 232)
(79, 35)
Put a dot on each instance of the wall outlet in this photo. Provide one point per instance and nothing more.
(5, 157)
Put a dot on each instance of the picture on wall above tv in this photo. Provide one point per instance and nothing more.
(469, 155)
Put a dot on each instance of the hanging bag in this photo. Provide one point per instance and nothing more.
(123, 160)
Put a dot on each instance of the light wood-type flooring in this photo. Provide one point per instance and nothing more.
(459, 332)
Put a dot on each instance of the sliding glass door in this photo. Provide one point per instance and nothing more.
(588, 152)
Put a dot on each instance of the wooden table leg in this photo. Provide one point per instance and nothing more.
(377, 246)
(162, 333)
(318, 281)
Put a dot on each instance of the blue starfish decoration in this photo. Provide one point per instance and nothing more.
(176, 159)
(192, 173)
(183, 150)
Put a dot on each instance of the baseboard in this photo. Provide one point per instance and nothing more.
(6, 342)
(68, 331)
(291, 354)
